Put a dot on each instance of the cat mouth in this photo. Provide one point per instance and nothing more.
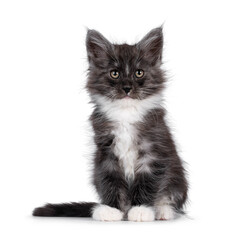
(127, 97)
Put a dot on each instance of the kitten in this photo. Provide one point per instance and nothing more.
(138, 174)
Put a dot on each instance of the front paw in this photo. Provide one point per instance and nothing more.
(165, 212)
(106, 213)
(141, 214)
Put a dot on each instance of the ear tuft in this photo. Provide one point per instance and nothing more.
(98, 47)
(151, 45)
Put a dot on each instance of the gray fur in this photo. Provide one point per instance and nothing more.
(136, 162)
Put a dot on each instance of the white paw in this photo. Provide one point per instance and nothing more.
(165, 212)
(106, 213)
(141, 214)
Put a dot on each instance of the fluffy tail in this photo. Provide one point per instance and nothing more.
(82, 209)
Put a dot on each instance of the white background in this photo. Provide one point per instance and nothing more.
(44, 137)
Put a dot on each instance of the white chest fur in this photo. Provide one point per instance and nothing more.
(125, 147)
(124, 114)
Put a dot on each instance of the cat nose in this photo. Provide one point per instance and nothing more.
(127, 89)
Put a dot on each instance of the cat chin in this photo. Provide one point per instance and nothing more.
(151, 102)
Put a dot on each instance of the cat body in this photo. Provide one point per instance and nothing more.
(137, 173)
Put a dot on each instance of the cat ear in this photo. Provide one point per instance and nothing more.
(151, 46)
(98, 48)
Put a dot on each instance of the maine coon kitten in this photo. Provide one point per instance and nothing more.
(138, 174)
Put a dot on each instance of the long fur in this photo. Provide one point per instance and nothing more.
(137, 171)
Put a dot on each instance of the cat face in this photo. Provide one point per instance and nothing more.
(125, 71)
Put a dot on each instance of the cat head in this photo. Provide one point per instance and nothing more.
(125, 71)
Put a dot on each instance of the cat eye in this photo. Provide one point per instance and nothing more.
(139, 73)
(114, 74)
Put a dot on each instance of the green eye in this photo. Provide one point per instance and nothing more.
(114, 74)
(139, 73)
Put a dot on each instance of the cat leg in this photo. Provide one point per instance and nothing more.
(143, 192)
(111, 187)
(164, 210)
